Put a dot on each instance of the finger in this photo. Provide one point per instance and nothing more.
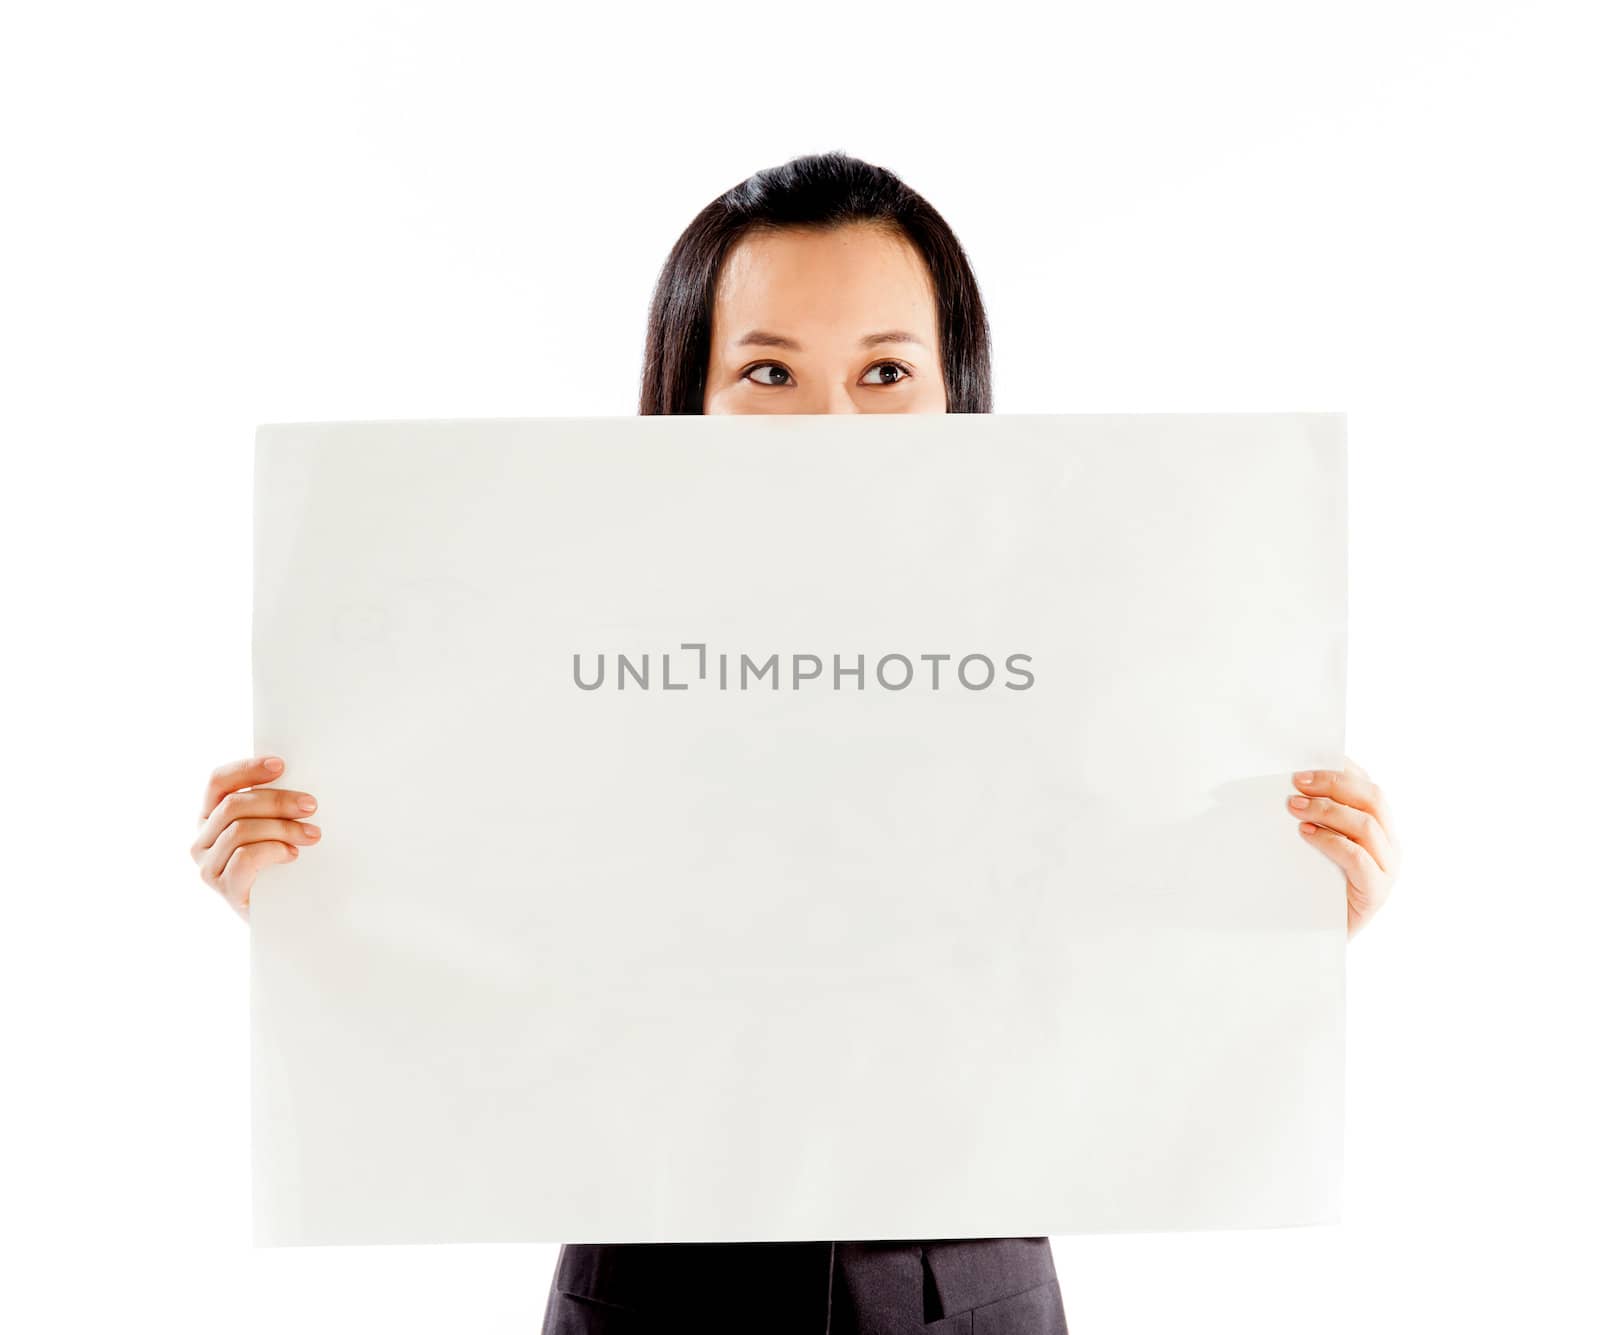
(1348, 787)
(237, 774)
(239, 876)
(1361, 826)
(1396, 855)
(283, 803)
(215, 859)
(1368, 883)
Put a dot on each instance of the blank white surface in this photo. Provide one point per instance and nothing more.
(805, 962)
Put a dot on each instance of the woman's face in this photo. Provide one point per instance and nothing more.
(834, 321)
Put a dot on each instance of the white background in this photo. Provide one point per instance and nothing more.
(222, 215)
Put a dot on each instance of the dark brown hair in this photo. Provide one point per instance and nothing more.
(817, 190)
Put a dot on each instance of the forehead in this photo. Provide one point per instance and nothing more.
(841, 281)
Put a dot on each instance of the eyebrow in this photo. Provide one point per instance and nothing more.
(769, 340)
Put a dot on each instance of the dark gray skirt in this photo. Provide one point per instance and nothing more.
(962, 1286)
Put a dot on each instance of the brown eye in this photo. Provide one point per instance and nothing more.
(768, 366)
(900, 372)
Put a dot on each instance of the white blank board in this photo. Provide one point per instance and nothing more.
(809, 955)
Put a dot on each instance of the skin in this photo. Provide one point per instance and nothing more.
(828, 296)
(824, 292)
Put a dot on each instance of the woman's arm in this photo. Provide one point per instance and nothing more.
(243, 828)
(1345, 815)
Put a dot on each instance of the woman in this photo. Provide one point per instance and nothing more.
(824, 285)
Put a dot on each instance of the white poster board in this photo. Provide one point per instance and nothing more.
(730, 947)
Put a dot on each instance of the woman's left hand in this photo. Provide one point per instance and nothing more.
(1345, 815)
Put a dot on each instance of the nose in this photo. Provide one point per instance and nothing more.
(839, 400)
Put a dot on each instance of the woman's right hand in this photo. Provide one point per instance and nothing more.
(243, 827)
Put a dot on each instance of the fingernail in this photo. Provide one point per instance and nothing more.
(312, 831)
(308, 803)
(1299, 803)
(272, 763)
(1306, 777)
(1306, 827)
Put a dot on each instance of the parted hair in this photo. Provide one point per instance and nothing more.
(818, 190)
